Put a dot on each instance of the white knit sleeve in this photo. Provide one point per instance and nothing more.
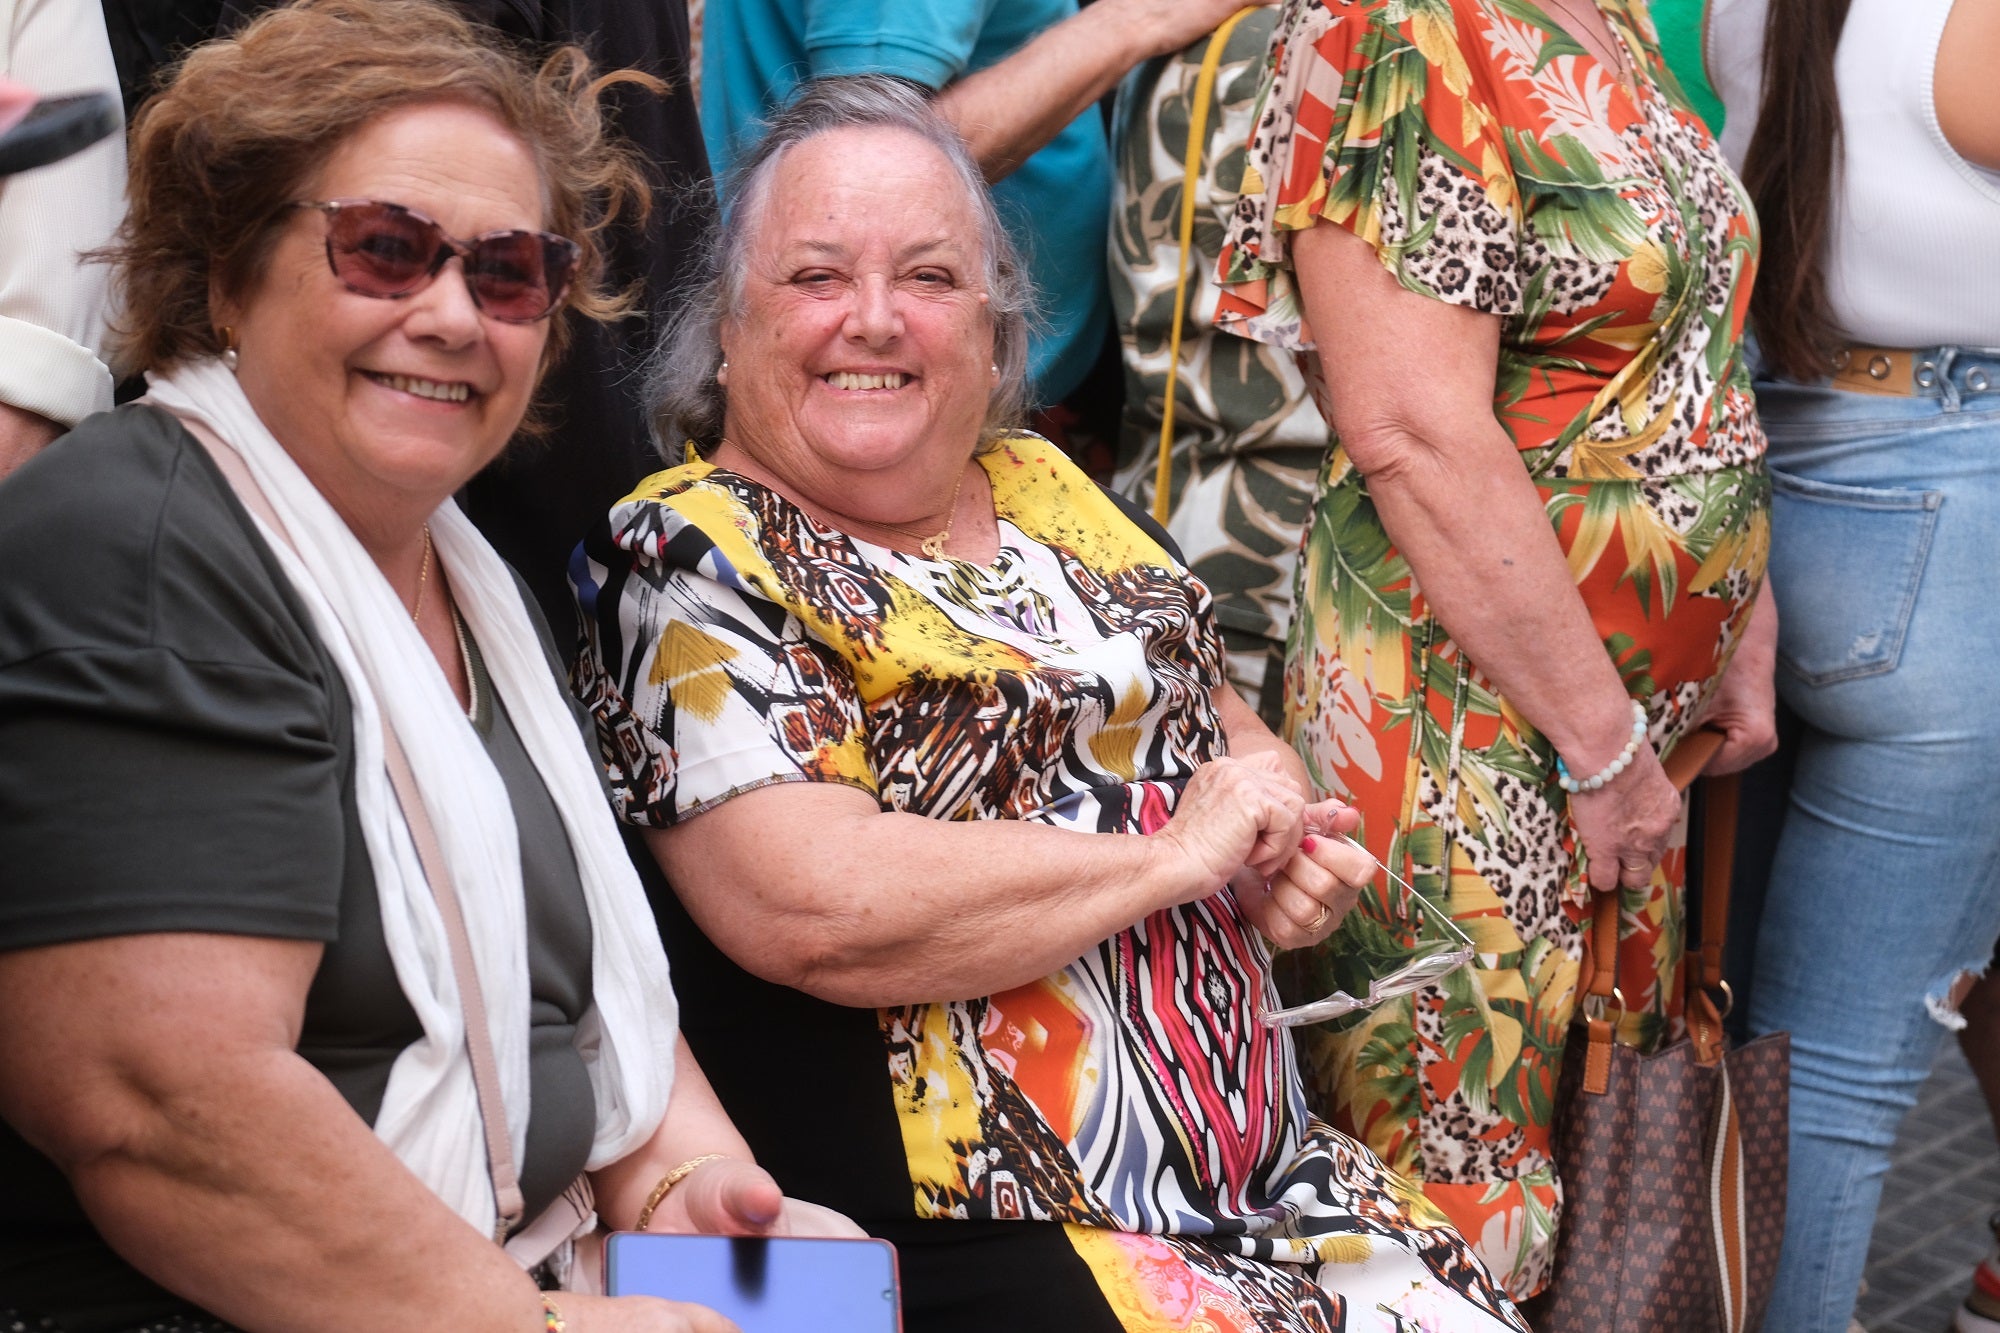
(52, 305)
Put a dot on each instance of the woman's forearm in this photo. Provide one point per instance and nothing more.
(1247, 738)
(1472, 526)
(336, 1231)
(157, 1074)
(816, 888)
(1009, 110)
(695, 1125)
(1411, 380)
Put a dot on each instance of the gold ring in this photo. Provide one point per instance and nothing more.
(1320, 920)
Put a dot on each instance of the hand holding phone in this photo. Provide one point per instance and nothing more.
(583, 1313)
(52, 128)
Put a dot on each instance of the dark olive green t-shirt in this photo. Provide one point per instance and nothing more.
(177, 754)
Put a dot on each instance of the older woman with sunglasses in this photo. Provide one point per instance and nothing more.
(322, 962)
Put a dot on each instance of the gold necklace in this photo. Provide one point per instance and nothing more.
(423, 579)
(933, 545)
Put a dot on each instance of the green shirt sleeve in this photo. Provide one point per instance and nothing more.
(1683, 29)
(170, 755)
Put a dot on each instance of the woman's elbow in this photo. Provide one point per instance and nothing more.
(1389, 453)
(104, 1120)
(824, 953)
(80, 1133)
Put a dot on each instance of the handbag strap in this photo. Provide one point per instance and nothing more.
(1718, 851)
(1204, 92)
(430, 853)
(478, 1032)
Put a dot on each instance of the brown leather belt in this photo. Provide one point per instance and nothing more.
(1900, 372)
(1894, 371)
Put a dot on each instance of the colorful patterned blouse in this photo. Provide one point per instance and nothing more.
(1130, 1103)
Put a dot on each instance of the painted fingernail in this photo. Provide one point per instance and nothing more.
(1307, 843)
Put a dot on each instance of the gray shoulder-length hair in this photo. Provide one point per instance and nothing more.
(688, 404)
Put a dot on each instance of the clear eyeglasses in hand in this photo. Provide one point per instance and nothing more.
(1431, 961)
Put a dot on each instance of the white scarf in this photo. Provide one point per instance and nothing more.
(430, 1111)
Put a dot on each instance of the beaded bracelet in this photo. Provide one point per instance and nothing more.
(552, 1320)
(1615, 767)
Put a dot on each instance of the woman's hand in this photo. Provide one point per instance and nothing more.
(1233, 815)
(1316, 887)
(636, 1314)
(1745, 704)
(732, 1197)
(1623, 826)
(1166, 26)
(16, 101)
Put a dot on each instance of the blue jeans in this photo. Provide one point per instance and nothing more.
(1885, 564)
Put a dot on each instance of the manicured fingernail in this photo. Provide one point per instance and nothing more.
(1307, 843)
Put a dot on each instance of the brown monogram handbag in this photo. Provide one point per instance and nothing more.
(1673, 1164)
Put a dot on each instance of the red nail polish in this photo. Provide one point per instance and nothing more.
(1307, 843)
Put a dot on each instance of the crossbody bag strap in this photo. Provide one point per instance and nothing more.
(430, 853)
(1204, 93)
(478, 1034)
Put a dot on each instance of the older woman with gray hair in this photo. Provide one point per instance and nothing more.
(896, 695)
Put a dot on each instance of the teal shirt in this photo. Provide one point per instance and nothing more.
(1057, 206)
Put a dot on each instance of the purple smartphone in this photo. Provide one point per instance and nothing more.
(775, 1284)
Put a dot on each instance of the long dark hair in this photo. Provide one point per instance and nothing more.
(1789, 172)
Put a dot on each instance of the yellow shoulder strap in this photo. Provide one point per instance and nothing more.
(1204, 91)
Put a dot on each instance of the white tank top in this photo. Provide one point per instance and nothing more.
(1914, 259)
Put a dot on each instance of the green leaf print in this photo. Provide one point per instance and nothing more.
(1356, 589)
(1572, 205)
(1392, 1070)
(1555, 42)
(1635, 665)
(1424, 845)
(1504, 756)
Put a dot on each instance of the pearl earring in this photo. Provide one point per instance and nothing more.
(229, 357)
(722, 372)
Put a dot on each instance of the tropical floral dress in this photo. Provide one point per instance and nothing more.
(1493, 163)
(1127, 1115)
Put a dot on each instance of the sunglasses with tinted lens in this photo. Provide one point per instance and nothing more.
(389, 251)
(1428, 963)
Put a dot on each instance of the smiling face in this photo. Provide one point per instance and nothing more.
(391, 405)
(859, 368)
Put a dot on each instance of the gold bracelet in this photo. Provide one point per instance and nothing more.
(671, 1179)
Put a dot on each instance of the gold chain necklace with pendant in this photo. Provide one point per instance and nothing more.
(933, 546)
